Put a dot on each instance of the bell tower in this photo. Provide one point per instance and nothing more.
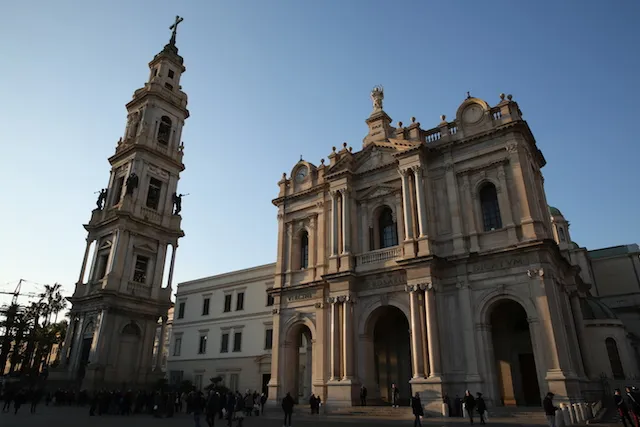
(124, 289)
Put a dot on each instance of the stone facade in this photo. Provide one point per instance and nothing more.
(123, 288)
(427, 259)
(222, 327)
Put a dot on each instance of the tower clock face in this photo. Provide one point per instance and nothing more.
(472, 114)
(302, 173)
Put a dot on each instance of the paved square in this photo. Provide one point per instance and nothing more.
(79, 417)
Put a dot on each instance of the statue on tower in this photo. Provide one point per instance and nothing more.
(377, 95)
(177, 203)
(102, 198)
(133, 122)
(132, 183)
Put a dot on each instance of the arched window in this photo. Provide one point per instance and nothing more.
(490, 208)
(614, 359)
(164, 130)
(304, 250)
(387, 229)
(131, 329)
(561, 234)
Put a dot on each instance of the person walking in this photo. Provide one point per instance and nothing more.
(481, 407)
(633, 403)
(395, 396)
(549, 409)
(363, 395)
(287, 407)
(418, 410)
(469, 404)
(623, 408)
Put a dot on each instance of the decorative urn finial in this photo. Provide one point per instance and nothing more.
(377, 96)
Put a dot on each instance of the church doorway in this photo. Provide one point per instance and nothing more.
(298, 363)
(391, 352)
(514, 358)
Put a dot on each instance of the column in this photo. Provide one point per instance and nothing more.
(416, 345)
(97, 337)
(346, 221)
(454, 208)
(433, 336)
(406, 202)
(163, 330)
(400, 219)
(173, 262)
(334, 338)
(347, 339)
(422, 208)
(68, 339)
(84, 261)
(159, 267)
(471, 214)
(364, 218)
(334, 223)
(290, 247)
(313, 224)
(579, 323)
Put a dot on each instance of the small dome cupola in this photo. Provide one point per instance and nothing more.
(594, 309)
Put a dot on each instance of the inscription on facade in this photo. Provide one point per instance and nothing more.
(483, 267)
(300, 296)
(383, 281)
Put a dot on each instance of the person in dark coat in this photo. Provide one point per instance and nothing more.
(469, 404)
(363, 395)
(457, 406)
(395, 396)
(418, 410)
(287, 407)
(623, 408)
(230, 407)
(481, 407)
(263, 400)
(212, 408)
(633, 403)
(549, 409)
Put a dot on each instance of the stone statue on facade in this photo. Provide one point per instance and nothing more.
(177, 203)
(133, 121)
(377, 96)
(132, 183)
(102, 198)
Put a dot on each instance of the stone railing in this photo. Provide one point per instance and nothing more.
(151, 215)
(379, 255)
(139, 289)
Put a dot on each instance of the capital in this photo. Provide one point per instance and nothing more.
(331, 300)
(416, 168)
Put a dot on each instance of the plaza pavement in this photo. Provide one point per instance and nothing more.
(79, 417)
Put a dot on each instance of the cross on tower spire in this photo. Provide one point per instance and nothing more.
(174, 28)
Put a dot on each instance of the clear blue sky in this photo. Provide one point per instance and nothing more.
(271, 80)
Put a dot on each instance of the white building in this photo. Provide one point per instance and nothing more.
(222, 326)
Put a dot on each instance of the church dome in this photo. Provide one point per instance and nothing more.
(594, 309)
(554, 211)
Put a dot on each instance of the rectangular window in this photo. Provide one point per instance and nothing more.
(181, 310)
(268, 339)
(153, 195)
(171, 74)
(177, 346)
(197, 381)
(237, 342)
(227, 303)
(118, 190)
(202, 345)
(234, 381)
(205, 306)
(102, 266)
(270, 300)
(224, 343)
(140, 270)
(155, 72)
(240, 301)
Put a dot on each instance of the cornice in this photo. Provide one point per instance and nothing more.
(315, 285)
(221, 319)
(144, 92)
(316, 189)
(123, 216)
(139, 147)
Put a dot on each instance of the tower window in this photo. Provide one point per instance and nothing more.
(181, 307)
(268, 339)
(168, 86)
(304, 250)
(102, 266)
(388, 229)
(153, 195)
(164, 130)
(202, 345)
(237, 342)
(270, 300)
(155, 72)
(140, 270)
(205, 306)
(118, 190)
(171, 74)
(490, 207)
(224, 343)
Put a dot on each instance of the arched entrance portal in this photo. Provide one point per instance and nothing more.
(391, 351)
(298, 362)
(515, 363)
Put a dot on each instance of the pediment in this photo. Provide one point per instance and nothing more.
(373, 158)
(378, 191)
(105, 245)
(145, 248)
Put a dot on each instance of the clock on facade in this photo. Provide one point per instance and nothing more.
(301, 174)
(472, 114)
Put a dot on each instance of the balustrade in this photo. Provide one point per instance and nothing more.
(379, 255)
(139, 289)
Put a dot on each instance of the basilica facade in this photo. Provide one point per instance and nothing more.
(430, 260)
